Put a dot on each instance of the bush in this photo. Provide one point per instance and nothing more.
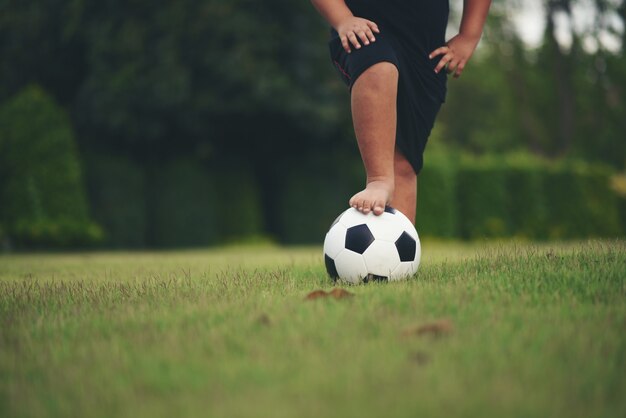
(62, 233)
(42, 200)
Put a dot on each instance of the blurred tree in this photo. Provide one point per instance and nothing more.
(209, 79)
(562, 66)
(201, 71)
(250, 83)
(42, 199)
(41, 42)
(557, 100)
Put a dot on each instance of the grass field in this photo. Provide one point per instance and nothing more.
(483, 330)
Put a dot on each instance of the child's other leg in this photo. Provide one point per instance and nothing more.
(405, 195)
(374, 116)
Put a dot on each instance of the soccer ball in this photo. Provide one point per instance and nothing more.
(361, 248)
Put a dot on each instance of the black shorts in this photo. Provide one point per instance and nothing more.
(421, 92)
(351, 66)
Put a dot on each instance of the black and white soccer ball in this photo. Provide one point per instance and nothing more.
(361, 248)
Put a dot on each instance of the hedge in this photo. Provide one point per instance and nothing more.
(185, 202)
(178, 203)
(581, 202)
(436, 211)
(313, 193)
(513, 195)
(618, 184)
(239, 208)
(527, 200)
(482, 199)
(523, 196)
(183, 205)
(42, 197)
(117, 192)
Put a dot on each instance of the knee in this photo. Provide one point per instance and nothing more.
(379, 76)
(403, 169)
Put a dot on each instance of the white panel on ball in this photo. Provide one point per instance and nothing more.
(381, 258)
(385, 227)
(350, 266)
(404, 270)
(334, 242)
(353, 217)
(407, 225)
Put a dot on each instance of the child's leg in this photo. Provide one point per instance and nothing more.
(374, 117)
(405, 195)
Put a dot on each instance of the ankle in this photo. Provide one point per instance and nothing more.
(389, 180)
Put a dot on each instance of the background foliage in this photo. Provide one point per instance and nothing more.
(43, 201)
(198, 122)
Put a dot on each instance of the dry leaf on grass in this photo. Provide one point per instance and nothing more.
(336, 293)
(437, 328)
(316, 294)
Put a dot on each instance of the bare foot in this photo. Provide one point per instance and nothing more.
(374, 198)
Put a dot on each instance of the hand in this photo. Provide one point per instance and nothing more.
(456, 53)
(354, 28)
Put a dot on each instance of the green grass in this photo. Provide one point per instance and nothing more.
(537, 331)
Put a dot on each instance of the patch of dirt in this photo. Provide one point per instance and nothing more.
(336, 293)
(439, 328)
(264, 320)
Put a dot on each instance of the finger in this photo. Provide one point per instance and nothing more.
(459, 70)
(443, 61)
(345, 44)
(370, 35)
(452, 65)
(439, 51)
(364, 38)
(354, 40)
(373, 26)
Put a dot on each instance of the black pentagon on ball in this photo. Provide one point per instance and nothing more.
(406, 246)
(330, 267)
(358, 238)
(391, 210)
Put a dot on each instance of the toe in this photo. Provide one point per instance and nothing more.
(367, 206)
(378, 208)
